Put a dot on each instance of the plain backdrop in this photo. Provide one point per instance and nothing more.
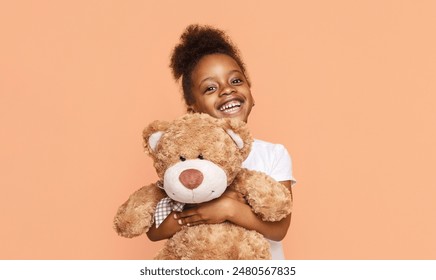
(347, 86)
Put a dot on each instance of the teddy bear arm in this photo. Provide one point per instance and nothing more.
(135, 216)
(268, 198)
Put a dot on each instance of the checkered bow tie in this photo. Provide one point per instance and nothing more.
(164, 208)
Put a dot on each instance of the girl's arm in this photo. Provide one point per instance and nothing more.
(237, 212)
(166, 229)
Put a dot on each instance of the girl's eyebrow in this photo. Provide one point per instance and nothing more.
(235, 70)
(211, 78)
(205, 79)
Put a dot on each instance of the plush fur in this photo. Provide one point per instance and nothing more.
(224, 144)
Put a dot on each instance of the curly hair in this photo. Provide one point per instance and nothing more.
(196, 42)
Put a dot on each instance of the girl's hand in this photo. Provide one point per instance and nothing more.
(212, 212)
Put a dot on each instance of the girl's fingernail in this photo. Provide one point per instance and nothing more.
(175, 216)
(180, 222)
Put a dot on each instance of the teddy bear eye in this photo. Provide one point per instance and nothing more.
(182, 158)
(200, 156)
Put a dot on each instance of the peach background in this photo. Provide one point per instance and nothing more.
(348, 86)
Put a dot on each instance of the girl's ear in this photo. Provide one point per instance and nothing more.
(152, 134)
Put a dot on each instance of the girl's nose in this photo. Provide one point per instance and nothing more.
(227, 90)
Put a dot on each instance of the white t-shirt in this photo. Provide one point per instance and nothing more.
(274, 160)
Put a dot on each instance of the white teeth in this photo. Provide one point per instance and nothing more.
(230, 105)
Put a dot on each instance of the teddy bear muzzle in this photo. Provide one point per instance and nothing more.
(194, 181)
(191, 178)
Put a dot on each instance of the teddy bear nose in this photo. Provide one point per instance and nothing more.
(191, 178)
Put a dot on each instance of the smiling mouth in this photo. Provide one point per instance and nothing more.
(230, 107)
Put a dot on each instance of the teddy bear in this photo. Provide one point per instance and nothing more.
(197, 158)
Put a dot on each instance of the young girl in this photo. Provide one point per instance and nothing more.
(214, 81)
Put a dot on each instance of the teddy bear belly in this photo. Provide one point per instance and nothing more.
(215, 241)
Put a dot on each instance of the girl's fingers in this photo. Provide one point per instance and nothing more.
(184, 214)
(184, 218)
(190, 221)
(195, 223)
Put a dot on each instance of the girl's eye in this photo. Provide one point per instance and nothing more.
(236, 81)
(209, 89)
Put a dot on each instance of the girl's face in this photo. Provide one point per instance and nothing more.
(220, 88)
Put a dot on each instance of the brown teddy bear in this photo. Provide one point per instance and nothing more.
(197, 157)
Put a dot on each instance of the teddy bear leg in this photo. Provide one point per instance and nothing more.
(253, 247)
(215, 242)
(166, 254)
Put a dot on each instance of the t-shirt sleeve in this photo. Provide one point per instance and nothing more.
(282, 166)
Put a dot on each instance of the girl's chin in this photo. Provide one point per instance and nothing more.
(229, 114)
(233, 115)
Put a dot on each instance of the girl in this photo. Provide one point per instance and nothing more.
(214, 81)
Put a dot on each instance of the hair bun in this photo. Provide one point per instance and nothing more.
(197, 41)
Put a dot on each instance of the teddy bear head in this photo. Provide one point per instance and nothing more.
(197, 156)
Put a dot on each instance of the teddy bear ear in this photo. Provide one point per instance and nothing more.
(240, 134)
(236, 138)
(152, 134)
(153, 140)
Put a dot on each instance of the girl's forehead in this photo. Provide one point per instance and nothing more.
(215, 64)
